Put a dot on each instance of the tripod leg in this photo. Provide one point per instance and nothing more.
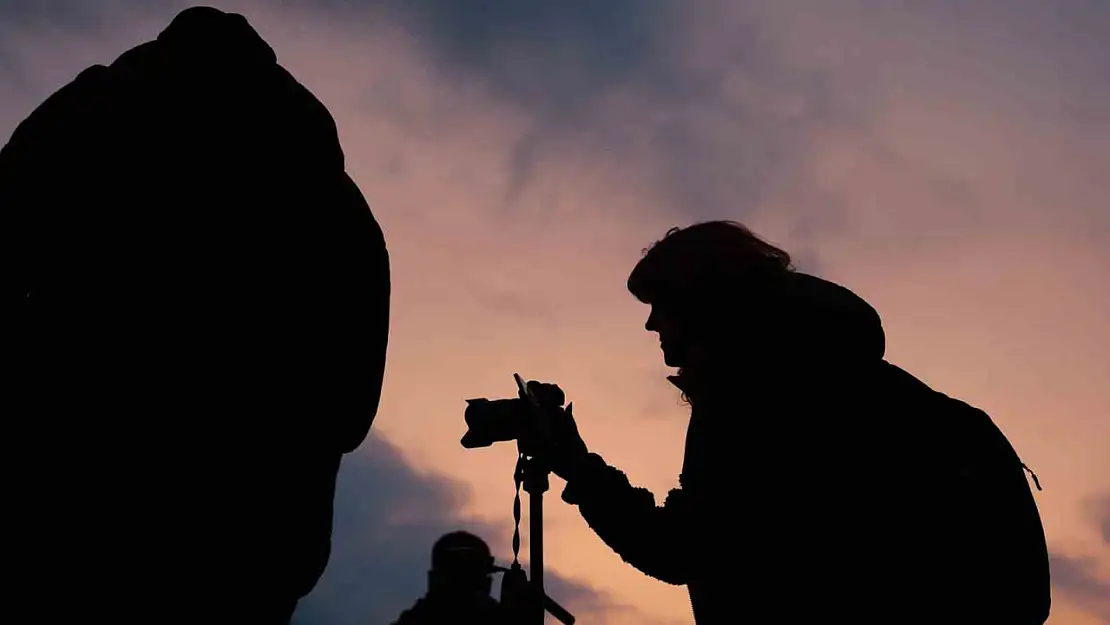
(535, 548)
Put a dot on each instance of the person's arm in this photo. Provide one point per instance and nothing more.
(654, 539)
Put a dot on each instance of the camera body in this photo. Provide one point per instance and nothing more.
(490, 421)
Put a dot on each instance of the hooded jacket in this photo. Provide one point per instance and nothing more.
(203, 308)
(808, 485)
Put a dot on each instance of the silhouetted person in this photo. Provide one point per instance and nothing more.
(459, 585)
(819, 481)
(202, 303)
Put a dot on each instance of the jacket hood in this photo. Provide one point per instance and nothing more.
(814, 323)
(829, 321)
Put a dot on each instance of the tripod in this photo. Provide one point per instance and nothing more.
(533, 476)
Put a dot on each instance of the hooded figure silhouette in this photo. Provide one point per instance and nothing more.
(818, 478)
(202, 317)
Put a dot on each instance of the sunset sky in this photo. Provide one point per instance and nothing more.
(947, 160)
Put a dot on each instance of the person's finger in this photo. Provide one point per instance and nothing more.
(547, 394)
(541, 388)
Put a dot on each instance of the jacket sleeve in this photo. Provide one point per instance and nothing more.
(652, 538)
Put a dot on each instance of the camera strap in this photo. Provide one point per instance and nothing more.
(518, 477)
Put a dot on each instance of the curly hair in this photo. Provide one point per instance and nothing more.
(702, 271)
(711, 255)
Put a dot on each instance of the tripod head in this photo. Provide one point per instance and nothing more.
(489, 421)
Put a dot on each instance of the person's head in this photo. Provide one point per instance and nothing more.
(462, 567)
(702, 282)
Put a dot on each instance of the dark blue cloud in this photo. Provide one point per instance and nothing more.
(69, 14)
(83, 17)
(552, 56)
(1078, 578)
(559, 62)
(386, 518)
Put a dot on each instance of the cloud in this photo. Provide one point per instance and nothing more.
(1079, 581)
(387, 515)
(728, 108)
(1080, 578)
(72, 14)
(554, 58)
(697, 103)
(85, 18)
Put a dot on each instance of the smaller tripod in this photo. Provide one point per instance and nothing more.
(529, 596)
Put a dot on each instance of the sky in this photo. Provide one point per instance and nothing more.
(948, 161)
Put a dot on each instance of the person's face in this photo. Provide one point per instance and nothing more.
(672, 340)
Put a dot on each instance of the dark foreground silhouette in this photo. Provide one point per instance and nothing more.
(202, 315)
(820, 482)
(459, 586)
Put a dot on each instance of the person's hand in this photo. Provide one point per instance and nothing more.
(556, 440)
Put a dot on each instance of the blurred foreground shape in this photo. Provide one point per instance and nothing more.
(202, 311)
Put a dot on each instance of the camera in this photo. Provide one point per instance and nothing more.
(490, 421)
